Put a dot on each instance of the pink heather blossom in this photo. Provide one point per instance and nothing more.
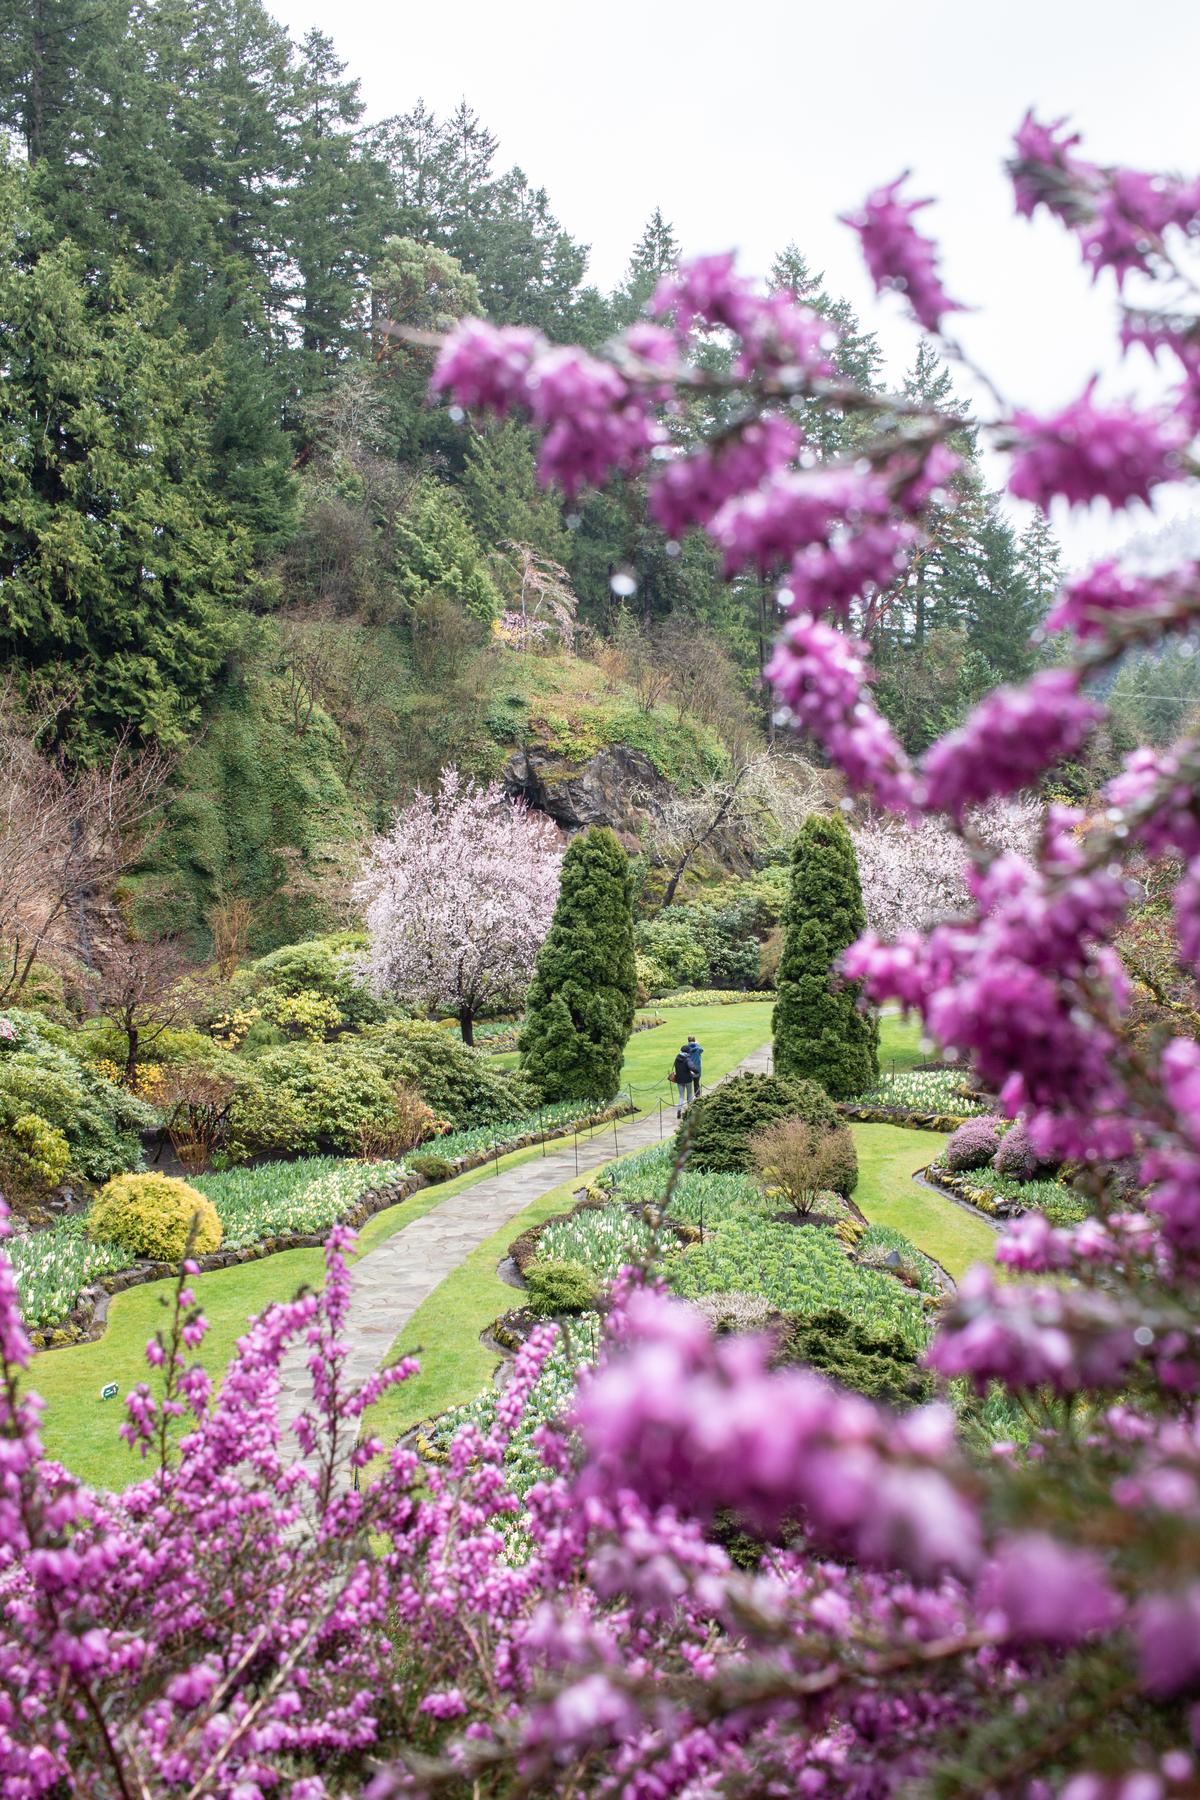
(829, 578)
(790, 510)
(1153, 798)
(1107, 594)
(487, 366)
(1089, 452)
(1167, 1632)
(1031, 1337)
(681, 1416)
(1119, 215)
(1046, 1591)
(691, 489)
(1046, 173)
(1185, 907)
(592, 420)
(897, 256)
(1013, 736)
(707, 289)
(820, 677)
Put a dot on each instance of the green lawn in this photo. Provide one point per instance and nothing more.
(899, 1045)
(80, 1430)
(888, 1155)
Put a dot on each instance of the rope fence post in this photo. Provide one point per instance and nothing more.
(616, 1145)
(577, 1150)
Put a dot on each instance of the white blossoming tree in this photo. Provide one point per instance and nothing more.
(458, 897)
(915, 875)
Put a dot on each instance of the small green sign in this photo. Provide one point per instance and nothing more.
(109, 1391)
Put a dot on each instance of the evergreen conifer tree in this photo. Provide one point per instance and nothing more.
(1041, 564)
(580, 1009)
(819, 1032)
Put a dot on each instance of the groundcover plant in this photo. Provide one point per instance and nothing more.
(240, 1624)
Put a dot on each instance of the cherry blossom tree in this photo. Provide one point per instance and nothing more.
(914, 873)
(458, 897)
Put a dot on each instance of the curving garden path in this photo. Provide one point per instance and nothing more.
(390, 1282)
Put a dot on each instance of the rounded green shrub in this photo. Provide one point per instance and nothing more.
(432, 1168)
(40, 1074)
(721, 1123)
(156, 1216)
(558, 1287)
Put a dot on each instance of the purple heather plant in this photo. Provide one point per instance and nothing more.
(973, 1145)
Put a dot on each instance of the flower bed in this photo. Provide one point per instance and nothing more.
(62, 1277)
(714, 997)
(923, 1099)
(802, 1272)
(479, 1143)
(1000, 1197)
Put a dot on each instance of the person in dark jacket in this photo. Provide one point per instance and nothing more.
(684, 1078)
(694, 1053)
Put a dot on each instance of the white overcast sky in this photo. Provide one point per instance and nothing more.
(760, 121)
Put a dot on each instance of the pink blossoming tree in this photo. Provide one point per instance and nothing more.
(458, 897)
(1022, 1620)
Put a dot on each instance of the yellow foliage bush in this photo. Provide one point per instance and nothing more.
(152, 1215)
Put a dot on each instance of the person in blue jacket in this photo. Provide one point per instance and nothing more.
(694, 1052)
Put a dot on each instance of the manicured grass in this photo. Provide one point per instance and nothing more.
(727, 1033)
(899, 1044)
(888, 1155)
(80, 1430)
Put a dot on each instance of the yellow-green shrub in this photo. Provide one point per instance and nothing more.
(34, 1157)
(152, 1215)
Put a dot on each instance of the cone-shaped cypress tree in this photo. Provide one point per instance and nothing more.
(581, 1003)
(818, 1028)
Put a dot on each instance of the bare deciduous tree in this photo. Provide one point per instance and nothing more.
(756, 804)
(803, 1161)
(144, 986)
(66, 834)
(543, 595)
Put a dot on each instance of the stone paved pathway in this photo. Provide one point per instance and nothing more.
(392, 1281)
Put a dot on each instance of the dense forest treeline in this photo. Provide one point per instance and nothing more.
(231, 525)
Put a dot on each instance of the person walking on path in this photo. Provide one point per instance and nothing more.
(683, 1075)
(694, 1053)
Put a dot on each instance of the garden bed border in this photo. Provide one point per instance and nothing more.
(85, 1322)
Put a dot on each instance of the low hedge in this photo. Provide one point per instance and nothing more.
(714, 997)
(863, 1114)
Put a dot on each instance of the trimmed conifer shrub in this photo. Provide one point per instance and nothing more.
(820, 1033)
(719, 1126)
(581, 1003)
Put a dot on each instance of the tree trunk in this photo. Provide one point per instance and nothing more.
(466, 1020)
(131, 1058)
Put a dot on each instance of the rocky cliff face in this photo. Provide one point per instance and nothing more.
(619, 787)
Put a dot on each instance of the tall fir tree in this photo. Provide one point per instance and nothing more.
(339, 213)
(819, 1031)
(855, 353)
(1001, 611)
(1040, 562)
(655, 254)
(581, 1004)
